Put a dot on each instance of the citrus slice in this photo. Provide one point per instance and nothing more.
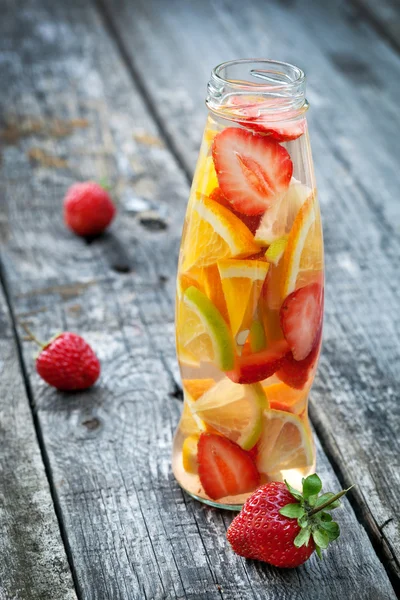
(234, 410)
(197, 387)
(278, 220)
(304, 251)
(190, 423)
(189, 453)
(242, 281)
(276, 250)
(202, 331)
(257, 336)
(282, 397)
(285, 443)
(213, 233)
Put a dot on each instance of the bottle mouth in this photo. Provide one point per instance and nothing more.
(275, 89)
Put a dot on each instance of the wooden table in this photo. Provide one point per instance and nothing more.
(115, 89)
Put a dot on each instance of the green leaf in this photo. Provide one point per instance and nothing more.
(302, 538)
(324, 517)
(321, 538)
(303, 520)
(312, 500)
(332, 529)
(292, 510)
(324, 498)
(318, 551)
(312, 485)
(293, 491)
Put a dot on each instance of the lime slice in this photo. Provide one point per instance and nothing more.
(257, 336)
(276, 250)
(285, 443)
(203, 331)
(234, 410)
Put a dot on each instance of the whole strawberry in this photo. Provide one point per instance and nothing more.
(68, 363)
(88, 208)
(283, 527)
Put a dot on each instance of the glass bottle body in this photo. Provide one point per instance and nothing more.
(249, 302)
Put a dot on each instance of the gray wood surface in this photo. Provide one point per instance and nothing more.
(385, 16)
(354, 86)
(33, 562)
(71, 110)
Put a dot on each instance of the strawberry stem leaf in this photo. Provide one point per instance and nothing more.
(293, 511)
(318, 551)
(312, 486)
(302, 538)
(295, 493)
(321, 538)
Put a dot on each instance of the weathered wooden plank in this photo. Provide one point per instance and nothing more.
(33, 561)
(132, 532)
(354, 86)
(385, 16)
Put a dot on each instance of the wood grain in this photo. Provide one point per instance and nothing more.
(133, 533)
(33, 561)
(385, 16)
(354, 86)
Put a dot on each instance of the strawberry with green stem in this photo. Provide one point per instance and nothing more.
(283, 527)
(66, 362)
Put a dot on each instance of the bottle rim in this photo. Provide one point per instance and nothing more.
(277, 87)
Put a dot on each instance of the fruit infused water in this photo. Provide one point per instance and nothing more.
(250, 289)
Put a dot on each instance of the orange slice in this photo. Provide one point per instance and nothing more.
(285, 443)
(197, 387)
(213, 233)
(282, 397)
(304, 251)
(242, 281)
(190, 424)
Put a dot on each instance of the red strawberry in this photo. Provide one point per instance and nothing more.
(68, 363)
(253, 171)
(258, 366)
(296, 373)
(88, 208)
(224, 468)
(281, 526)
(285, 131)
(251, 223)
(300, 317)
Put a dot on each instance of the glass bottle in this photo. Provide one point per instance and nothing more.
(250, 289)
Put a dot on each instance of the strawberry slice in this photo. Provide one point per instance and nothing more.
(253, 171)
(224, 468)
(259, 365)
(296, 373)
(251, 223)
(300, 316)
(285, 131)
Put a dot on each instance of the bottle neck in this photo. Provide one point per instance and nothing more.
(257, 89)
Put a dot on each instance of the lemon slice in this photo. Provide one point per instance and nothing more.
(285, 443)
(304, 251)
(190, 423)
(234, 410)
(242, 281)
(213, 233)
(202, 331)
(189, 453)
(278, 220)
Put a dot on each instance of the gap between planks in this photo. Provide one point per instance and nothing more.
(110, 28)
(38, 431)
